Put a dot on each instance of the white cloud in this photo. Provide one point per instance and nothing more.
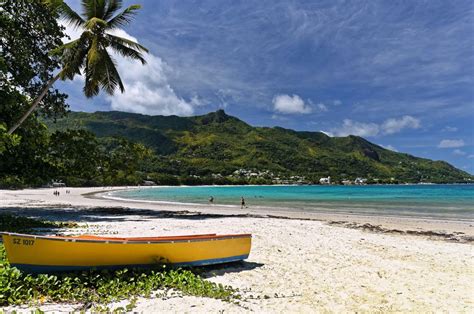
(337, 102)
(459, 152)
(197, 101)
(350, 127)
(391, 126)
(390, 147)
(319, 107)
(290, 104)
(322, 107)
(147, 89)
(449, 129)
(470, 156)
(280, 118)
(327, 133)
(451, 143)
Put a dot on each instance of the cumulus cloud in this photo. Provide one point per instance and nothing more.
(147, 89)
(290, 104)
(451, 143)
(393, 125)
(389, 126)
(459, 152)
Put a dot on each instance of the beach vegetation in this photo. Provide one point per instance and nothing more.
(100, 287)
(95, 288)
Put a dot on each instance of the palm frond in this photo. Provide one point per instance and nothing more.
(103, 76)
(124, 17)
(93, 73)
(88, 89)
(127, 48)
(112, 7)
(100, 8)
(73, 55)
(111, 78)
(88, 9)
(94, 54)
(65, 12)
(60, 49)
(91, 87)
(127, 42)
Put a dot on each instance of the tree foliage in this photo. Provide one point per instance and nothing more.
(29, 29)
(89, 55)
(29, 32)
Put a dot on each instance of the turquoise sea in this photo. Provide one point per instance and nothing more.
(437, 201)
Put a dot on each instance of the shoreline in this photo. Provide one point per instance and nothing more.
(346, 263)
(268, 208)
(450, 229)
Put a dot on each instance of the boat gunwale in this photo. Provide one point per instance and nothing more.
(170, 239)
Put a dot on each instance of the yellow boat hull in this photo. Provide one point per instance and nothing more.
(47, 254)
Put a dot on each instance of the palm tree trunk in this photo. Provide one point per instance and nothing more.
(35, 104)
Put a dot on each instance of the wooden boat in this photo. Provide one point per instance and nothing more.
(40, 254)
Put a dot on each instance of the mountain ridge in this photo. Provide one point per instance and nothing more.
(219, 143)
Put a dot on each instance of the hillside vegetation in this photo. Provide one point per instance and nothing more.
(216, 143)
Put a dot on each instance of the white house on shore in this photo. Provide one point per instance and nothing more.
(325, 180)
(360, 181)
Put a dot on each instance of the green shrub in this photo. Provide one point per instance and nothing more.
(101, 287)
(11, 182)
(94, 287)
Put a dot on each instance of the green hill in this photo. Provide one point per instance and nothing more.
(217, 143)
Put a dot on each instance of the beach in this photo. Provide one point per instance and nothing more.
(300, 262)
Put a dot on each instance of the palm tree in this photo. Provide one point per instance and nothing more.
(88, 54)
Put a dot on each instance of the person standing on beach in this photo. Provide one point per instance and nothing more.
(242, 202)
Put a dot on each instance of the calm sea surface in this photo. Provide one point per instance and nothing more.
(438, 201)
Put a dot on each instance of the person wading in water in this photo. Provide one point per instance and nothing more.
(242, 202)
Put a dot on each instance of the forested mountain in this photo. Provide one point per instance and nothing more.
(216, 143)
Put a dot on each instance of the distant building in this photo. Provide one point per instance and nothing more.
(57, 184)
(325, 180)
(346, 182)
(360, 181)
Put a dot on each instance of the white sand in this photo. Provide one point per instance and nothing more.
(310, 265)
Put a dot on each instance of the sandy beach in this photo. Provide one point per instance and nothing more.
(300, 262)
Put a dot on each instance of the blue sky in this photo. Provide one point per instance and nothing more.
(399, 73)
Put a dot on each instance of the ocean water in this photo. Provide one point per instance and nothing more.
(437, 201)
